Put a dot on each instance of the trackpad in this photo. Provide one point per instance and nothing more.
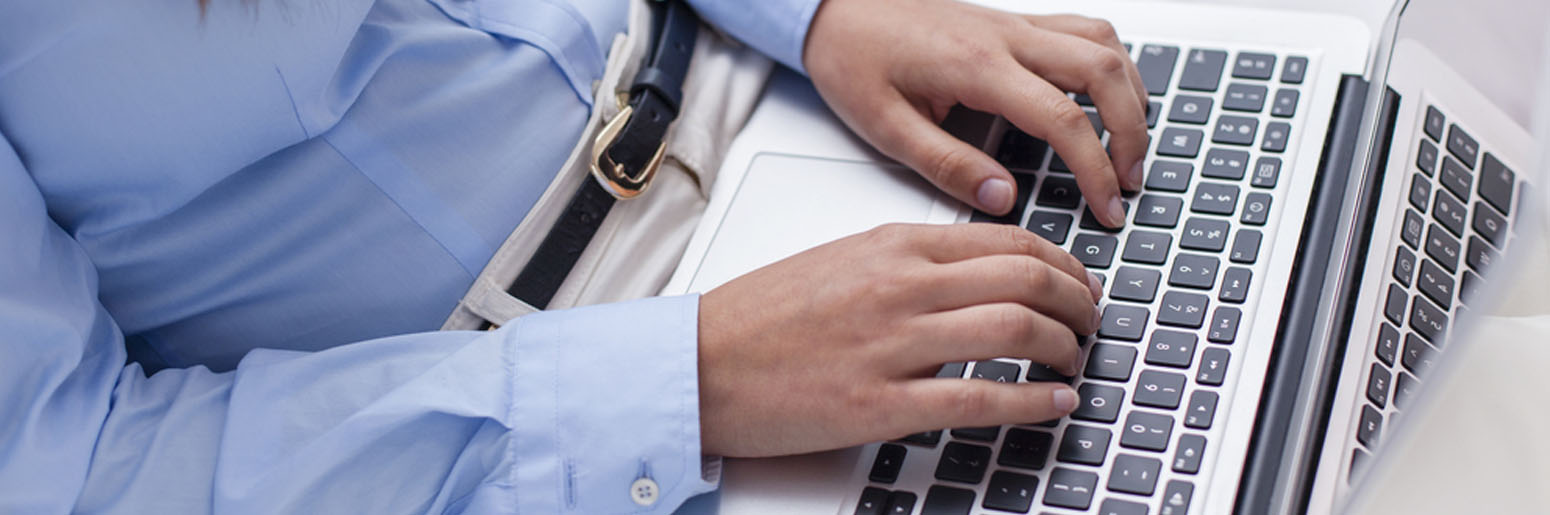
(787, 204)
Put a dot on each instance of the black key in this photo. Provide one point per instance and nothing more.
(946, 500)
(1235, 130)
(1394, 305)
(1024, 189)
(1449, 213)
(1443, 248)
(1175, 498)
(1019, 150)
(885, 469)
(1462, 146)
(1434, 122)
(1093, 250)
(1056, 164)
(1134, 474)
(1070, 488)
(1123, 322)
(1182, 309)
(1469, 286)
(1090, 222)
(1010, 491)
(1294, 70)
(1245, 97)
(1178, 142)
(1156, 66)
(873, 501)
(1202, 409)
(928, 438)
(1202, 70)
(1147, 247)
(1276, 135)
(1038, 373)
(1496, 181)
(1455, 178)
(1083, 99)
(1204, 234)
(1420, 191)
(1426, 158)
(1193, 271)
(1489, 224)
(1153, 110)
(1404, 389)
(1099, 403)
(1428, 320)
(1404, 265)
(1378, 385)
(1110, 361)
(1368, 428)
(982, 434)
(1159, 389)
(1186, 458)
(963, 462)
(1096, 122)
(998, 371)
(1224, 325)
(1190, 109)
(1135, 284)
(1256, 209)
(1252, 65)
(1146, 431)
(1478, 255)
(1171, 348)
(1285, 104)
(1169, 176)
(1235, 285)
(1215, 198)
(1050, 225)
(1213, 366)
(1417, 357)
(954, 370)
(1121, 507)
(1084, 444)
(1023, 448)
(1411, 231)
(1224, 163)
(1436, 284)
(1388, 344)
(1245, 248)
(1266, 170)
(1059, 192)
(1158, 210)
(901, 503)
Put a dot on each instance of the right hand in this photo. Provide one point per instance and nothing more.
(839, 345)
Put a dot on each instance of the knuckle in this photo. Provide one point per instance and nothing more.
(1101, 30)
(945, 163)
(1107, 62)
(1067, 116)
(972, 403)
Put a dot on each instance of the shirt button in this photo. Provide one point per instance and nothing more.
(644, 491)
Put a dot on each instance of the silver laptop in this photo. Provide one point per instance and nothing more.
(1331, 201)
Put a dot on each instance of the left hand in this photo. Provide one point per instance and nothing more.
(891, 69)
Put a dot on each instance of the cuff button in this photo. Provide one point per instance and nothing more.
(644, 491)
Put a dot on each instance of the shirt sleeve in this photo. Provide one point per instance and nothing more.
(777, 28)
(559, 412)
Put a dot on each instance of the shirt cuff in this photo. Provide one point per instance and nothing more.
(777, 28)
(605, 408)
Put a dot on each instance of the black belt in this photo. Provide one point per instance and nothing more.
(625, 156)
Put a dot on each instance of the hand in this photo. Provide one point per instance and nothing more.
(891, 69)
(839, 345)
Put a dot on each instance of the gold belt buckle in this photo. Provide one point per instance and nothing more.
(612, 175)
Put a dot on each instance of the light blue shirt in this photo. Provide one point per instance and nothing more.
(271, 206)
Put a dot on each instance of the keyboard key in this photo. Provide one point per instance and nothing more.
(1056, 164)
(1420, 191)
(1388, 344)
(1434, 123)
(1147, 247)
(1224, 325)
(1156, 66)
(1146, 431)
(1496, 181)
(1222, 163)
(1276, 136)
(1404, 389)
(1024, 448)
(1179, 142)
(1193, 271)
(1455, 178)
(1426, 158)
(1070, 488)
(901, 503)
(1427, 320)
(1120, 507)
(1235, 285)
(1153, 110)
(1186, 459)
(1245, 248)
(1490, 225)
(1135, 284)
(1266, 170)
(1158, 210)
(1378, 385)
(1019, 150)
(873, 501)
(963, 462)
(1169, 176)
(1190, 109)
(1215, 198)
(998, 371)
(1084, 444)
(1294, 70)
(1122, 322)
(1090, 222)
(1175, 498)
(1478, 255)
(1469, 286)
(1252, 65)
(1368, 428)
(890, 458)
(1394, 305)
(1235, 130)
(1159, 389)
(1182, 309)
(1111, 362)
(1436, 284)
(1213, 366)
(1134, 474)
(1203, 70)
(1443, 248)
(1411, 231)
(947, 500)
(1060, 192)
(1285, 104)
(1171, 348)
(1099, 403)
(982, 434)
(927, 438)
(1050, 225)
(1256, 209)
(1010, 491)
(1404, 265)
(1024, 189)
(1450, 213)
(1462, 146)
(1204, 234)
(1202, 409)
(1245, 97)
(1095, 251)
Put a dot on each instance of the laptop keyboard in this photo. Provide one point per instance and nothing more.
(1179, 279)
(1457, 220)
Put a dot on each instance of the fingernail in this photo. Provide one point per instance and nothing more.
(1117, 212)
(1065, 399)
(1135, 175)
(995, 196)
(1095, 285)
(1076, 365)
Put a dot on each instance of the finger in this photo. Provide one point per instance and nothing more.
(988, 331)
(951, 243)
(926, 404)
(955, 167)
(1023, 280)
(1098, 31)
